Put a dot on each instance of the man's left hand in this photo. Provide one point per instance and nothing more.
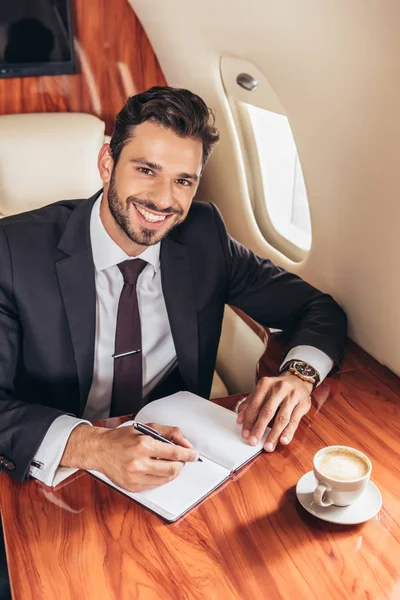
(287, 397)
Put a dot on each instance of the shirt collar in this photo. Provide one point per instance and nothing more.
(106, 253)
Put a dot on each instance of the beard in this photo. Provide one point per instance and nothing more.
(142, 236)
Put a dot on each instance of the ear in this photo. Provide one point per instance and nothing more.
(105, 163)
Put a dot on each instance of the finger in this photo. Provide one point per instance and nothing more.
(152, 474)
(150, 481)
(172, 452)
(290, 430)
(165, 469)
(240, 407)
(241, 413)
(282, 420)
(264, 414)
(253, 406)
(172, 433)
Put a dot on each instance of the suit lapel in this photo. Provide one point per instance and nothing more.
(179, 295)
(76, 276)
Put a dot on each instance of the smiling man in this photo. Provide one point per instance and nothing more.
(158, 174)
(110, 302)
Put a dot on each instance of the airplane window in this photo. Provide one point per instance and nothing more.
(285, 196)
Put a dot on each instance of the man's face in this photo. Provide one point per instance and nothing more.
(151, 188)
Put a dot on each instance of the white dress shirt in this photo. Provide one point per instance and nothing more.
(158, 350)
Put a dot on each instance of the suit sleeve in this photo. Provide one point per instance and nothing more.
(22, 425)
(276, 298)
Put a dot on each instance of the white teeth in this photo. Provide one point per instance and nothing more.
(149, 216)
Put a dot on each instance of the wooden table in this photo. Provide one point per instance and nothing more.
(250, 540)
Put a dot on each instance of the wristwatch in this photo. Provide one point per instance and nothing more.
(303, 371)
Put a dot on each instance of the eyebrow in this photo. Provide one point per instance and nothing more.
(156, 167)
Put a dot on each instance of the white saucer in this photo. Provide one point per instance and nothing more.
(363, 509)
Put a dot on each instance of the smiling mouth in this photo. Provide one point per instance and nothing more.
(151, 217)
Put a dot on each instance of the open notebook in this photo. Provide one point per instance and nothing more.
(212, 430)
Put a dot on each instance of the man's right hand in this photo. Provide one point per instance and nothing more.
(134, 461)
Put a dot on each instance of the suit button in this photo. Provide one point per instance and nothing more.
(10, 465)
(2, 461)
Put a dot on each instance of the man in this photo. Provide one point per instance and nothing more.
(109, 302)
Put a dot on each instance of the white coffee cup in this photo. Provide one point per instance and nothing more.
(342, 474)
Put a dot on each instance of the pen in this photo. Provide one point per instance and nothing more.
(146, 430)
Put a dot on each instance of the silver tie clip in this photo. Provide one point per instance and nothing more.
(126, 353)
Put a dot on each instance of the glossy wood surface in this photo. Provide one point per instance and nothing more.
(250, 540)
(115, 60)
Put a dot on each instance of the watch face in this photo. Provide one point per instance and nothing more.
(305, 369)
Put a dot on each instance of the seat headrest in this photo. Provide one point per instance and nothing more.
(47, 157)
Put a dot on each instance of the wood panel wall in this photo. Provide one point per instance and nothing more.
(115, 60)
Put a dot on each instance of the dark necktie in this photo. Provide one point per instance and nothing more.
(127, 383)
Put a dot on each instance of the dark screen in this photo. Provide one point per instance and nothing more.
(34, 32)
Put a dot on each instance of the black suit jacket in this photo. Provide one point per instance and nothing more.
(48, 305)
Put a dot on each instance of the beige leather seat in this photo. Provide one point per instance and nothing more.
(47, 157)
(240, 348)
(53, 156)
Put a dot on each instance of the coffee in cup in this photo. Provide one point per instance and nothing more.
(342, 474)
(342, 464)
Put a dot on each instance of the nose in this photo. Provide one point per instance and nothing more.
(162, 194)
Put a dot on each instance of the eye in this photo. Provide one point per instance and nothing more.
(184, 182)
(145, 170)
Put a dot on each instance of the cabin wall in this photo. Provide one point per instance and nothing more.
(115, 60)
(334, 67)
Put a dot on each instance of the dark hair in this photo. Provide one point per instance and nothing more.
(179, 110)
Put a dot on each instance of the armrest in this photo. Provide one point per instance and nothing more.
(274, 341)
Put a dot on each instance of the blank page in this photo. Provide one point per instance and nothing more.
(212, 429)
(173, 499)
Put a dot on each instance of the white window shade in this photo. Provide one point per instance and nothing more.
(285, 196)
(268, 159)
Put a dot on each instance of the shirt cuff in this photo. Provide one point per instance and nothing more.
(314, 357)
(52, 448)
